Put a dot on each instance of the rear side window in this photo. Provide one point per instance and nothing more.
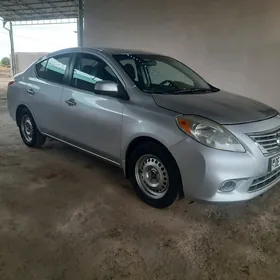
(54, 68)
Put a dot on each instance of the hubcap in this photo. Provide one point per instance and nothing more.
(27, 128)
(152, 176)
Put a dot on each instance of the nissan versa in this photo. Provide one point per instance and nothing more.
(171, 132)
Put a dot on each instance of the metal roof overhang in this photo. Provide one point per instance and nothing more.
(17, 11)
(25, 10)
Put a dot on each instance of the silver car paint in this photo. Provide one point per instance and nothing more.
(45, 103)
(94, 123)
(106, 126)
(221, 106)
(213, 167)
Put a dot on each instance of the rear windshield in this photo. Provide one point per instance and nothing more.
(160, 74)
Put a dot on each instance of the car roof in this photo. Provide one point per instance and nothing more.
(94, 50)
(122, 51)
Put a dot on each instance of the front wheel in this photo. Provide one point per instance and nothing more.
(154, 175)
(29, 132)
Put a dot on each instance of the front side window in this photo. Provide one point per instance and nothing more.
(89, 70)
(161, 74)
(54, 68)
(129, 66)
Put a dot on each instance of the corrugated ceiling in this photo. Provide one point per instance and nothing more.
(22, 10)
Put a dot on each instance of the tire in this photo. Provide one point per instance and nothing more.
(29, 132)
(150, 156)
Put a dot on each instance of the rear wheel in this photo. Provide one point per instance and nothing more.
(29, 132)
(154, 175)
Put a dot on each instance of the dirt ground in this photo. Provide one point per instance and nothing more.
(66, 215)
(5, 77)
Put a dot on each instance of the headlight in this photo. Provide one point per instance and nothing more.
(209, 133)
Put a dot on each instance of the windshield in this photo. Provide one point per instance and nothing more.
(161, 74)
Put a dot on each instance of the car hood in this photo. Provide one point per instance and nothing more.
(222, 107)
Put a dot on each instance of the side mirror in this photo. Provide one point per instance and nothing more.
(107, 88)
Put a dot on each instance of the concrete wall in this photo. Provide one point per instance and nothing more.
(25, 59)
(235, 45)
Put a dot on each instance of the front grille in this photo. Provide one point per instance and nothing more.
(267, 141)
(264, 181)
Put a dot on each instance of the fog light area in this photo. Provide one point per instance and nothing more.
(228, 186)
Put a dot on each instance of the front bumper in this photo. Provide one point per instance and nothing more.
(204, 169)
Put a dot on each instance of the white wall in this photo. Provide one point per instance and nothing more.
(235, 45)
(25, 59)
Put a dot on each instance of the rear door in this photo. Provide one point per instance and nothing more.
(89, 120)
(44, 92)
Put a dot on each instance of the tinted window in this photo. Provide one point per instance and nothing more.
(89, 70)
(40, 68)
(130, 68)
(54, 68)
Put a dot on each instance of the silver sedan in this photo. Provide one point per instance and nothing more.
(171, 132)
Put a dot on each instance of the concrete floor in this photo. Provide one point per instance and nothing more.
(65, 215)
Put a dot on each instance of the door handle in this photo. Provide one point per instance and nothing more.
(31, 91)
(71, 102)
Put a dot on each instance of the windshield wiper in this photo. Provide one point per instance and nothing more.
(154, 92)
(189, 90)
(193, 90)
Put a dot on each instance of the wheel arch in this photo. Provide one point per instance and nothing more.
(139, 141)
(19, 109)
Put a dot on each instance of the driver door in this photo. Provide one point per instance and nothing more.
(92, 121)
